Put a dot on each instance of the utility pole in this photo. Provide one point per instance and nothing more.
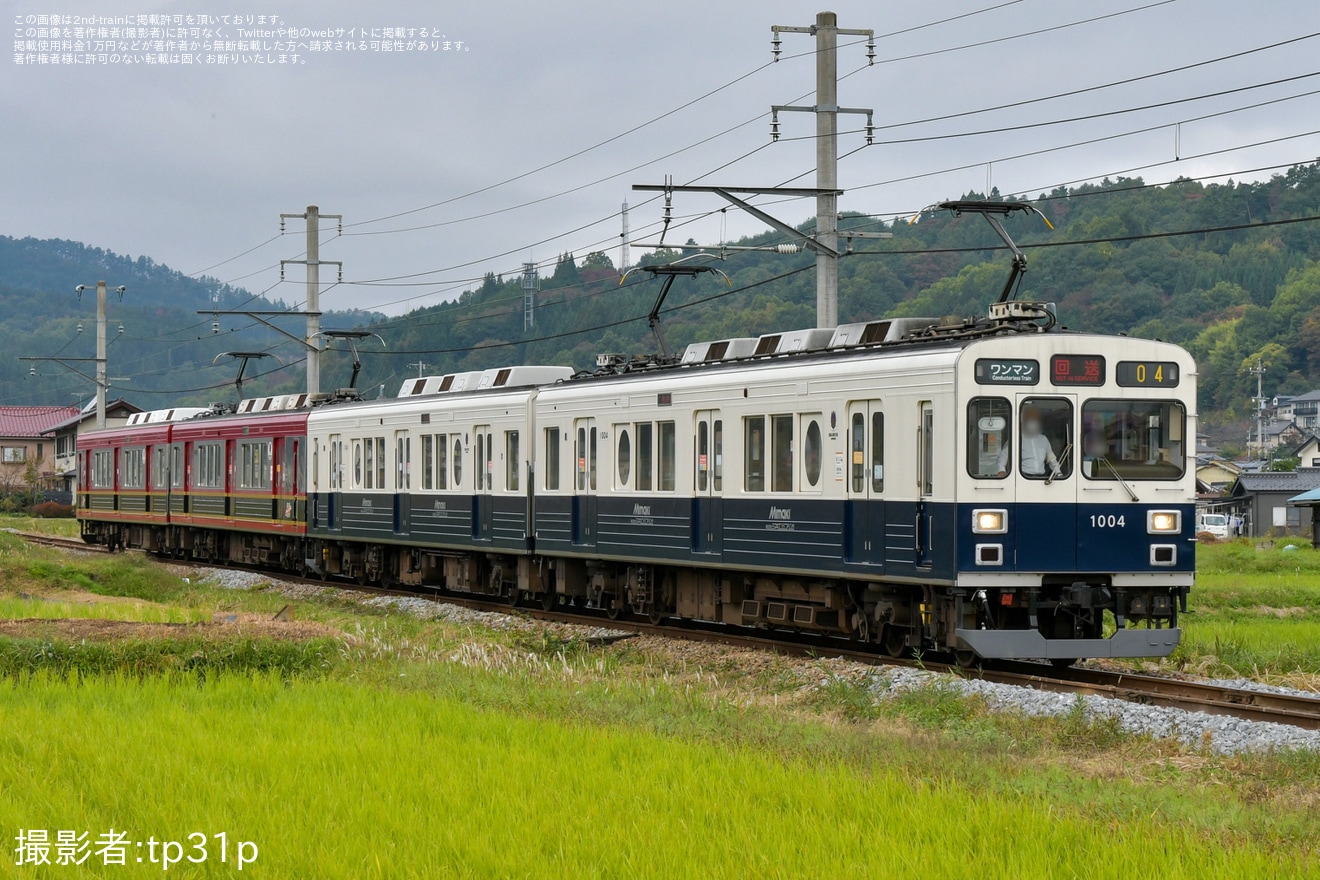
(1259, 401)
(420, 365)
(313, 262)
(827, 110)
(100, 347)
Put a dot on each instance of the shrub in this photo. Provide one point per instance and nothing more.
(51, 510)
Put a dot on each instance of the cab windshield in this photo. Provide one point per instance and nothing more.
(1133, 439)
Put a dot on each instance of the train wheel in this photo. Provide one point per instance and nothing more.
(514, 597)
(894, 641)
(1062, 662)
(967, 659)
(548, 600)
(614, 609)
(656, 616)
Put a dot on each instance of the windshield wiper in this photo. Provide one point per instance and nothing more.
(1109, 464)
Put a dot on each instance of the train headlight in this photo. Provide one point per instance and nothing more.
(989, 522)
(1160, 522)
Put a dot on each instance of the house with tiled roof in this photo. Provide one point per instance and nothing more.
(65, 435)
(27, 447)
(1262, 500)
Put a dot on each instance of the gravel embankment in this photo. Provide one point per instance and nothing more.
(1221, 734)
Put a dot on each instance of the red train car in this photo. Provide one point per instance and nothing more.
(210, 486)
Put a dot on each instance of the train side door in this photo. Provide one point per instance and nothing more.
(864, 511)
(708, 502)
(925, 482)
(484, 469)
(584, 482)
(1045, 471)
(402, 482)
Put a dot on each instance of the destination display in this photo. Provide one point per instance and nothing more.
(1077, 369)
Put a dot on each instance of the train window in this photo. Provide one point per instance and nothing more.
(511, 458)
(335, 461)
(703, 456)
(442, 461)
(357, 463)
(288, 466)
(591, 461)
(811, 453)
(668, 456)
(645, 456)
(781, 447)
(552, 459)
(134, 467)
(754, 454)
(989, 429)
(625, 456)
(428, 462)
(209, 466)
(254, 465)
(926, 449)
(858, 442)
(160, 467)
(369, 468)
(717, 432)
(481, 456)
(877, 452)
(380, 462)
(176, 466)
(401, 456)
(1133, 439)
(458, 462)
(103, 469)
(581, 456)
(1045, 438)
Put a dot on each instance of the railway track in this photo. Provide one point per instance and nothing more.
(1192, 696)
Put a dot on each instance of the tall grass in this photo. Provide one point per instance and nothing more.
(332, 779)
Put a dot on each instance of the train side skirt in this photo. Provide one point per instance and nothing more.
(1028, 644)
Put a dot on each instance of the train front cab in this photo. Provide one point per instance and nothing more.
(1076, 519)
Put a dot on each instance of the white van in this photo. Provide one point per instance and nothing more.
(1216, 524)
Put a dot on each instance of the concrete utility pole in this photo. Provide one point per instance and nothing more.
(313, 262)
(827, 110)
(1259, 400)
(100, 348)
(102, 380)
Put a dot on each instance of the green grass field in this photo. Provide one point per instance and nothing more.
(407, 748)
(1254, 612)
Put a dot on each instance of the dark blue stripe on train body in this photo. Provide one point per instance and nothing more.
(652, 527)
(1086, 538)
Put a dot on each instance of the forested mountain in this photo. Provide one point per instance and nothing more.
(1117, 261)
(1231, 271)
(165, 347)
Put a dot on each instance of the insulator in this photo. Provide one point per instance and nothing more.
(774, 131)
(775, 43)
(32, 371)
(870, 51)
(787, 248)
(215, 326)
(121, 329)
(80, 326)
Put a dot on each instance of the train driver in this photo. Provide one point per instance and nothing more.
(1037, 454)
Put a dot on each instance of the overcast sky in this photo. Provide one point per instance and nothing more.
(192, 165)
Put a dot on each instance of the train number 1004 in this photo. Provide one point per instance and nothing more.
(1100, 521)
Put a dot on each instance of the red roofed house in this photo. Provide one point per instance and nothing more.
(27, 447)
